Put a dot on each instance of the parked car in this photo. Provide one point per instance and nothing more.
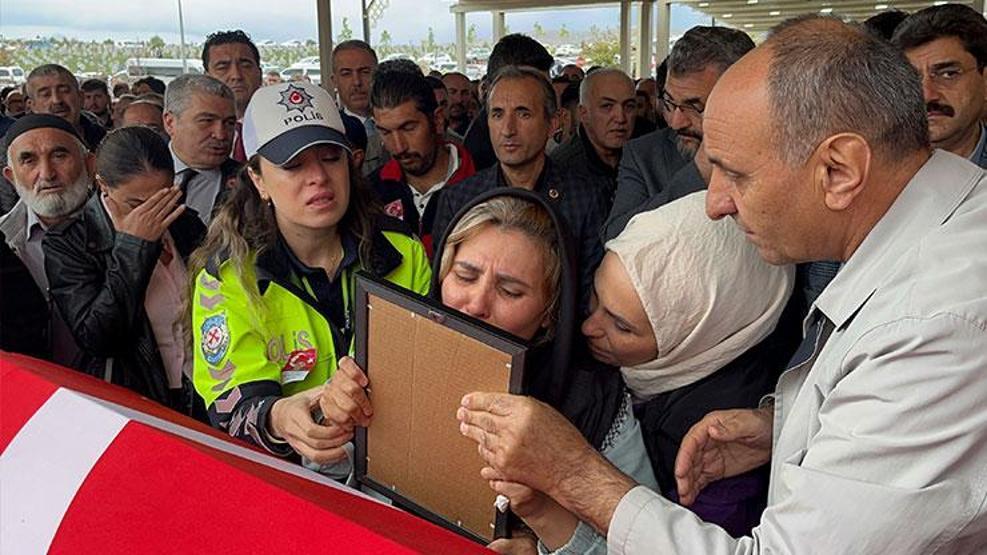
(568, 50)
(478, 54)
(313, 72)
(12, 75)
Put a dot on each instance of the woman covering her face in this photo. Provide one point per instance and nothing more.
(273, 283)
(117, 272)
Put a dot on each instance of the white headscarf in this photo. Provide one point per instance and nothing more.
(707, 293)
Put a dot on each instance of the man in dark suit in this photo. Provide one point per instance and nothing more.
(200, 118)
(665, 165)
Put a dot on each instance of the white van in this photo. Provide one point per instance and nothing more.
(165, 69)
(12, 75)
(299, 70)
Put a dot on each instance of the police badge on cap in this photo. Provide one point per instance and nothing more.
(284, 119)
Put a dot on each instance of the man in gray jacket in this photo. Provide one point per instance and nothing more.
(665, 165)
(877, 433)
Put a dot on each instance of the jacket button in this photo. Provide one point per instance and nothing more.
(553, 194)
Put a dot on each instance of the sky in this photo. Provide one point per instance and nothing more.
(407, 21)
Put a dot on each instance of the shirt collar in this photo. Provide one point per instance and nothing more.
(545, 180)
(35, 227)
(595, 161)
(979, 154)
(350, 257)
(181, 166)
(363, 119)
(929, 199)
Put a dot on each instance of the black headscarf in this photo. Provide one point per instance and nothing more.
(558, 371)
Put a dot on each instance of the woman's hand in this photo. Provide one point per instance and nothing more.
(151, 218)
(521, 545)
(345, 402)
(291, 420)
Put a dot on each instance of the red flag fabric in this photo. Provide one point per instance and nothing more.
(90, 467)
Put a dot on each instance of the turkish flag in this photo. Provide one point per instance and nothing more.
(89, 467)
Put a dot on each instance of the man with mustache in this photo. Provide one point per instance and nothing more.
(948, 46)
(607, 107)
(96, 101)
(422, 162)
(52, 89)
(51, 170)
(354, 63)
(662, 166)
(521, 114)
(233, 58)
(200, 117)
(458, 86)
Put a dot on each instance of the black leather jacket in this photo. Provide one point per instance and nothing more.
(98, 279)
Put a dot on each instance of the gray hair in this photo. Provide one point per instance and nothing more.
(550, 104)
(179, 91)
(587, 83)
(828, 77)
(701, 47)
(48, 70)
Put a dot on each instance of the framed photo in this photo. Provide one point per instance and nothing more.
(421, 358)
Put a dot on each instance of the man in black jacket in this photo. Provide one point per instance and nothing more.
(51, 170)
(665, 165)
(606, 112)
(512, 50)
(523, 113)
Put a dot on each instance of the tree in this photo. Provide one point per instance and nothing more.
(538, 31)
(471, 34)
(429, 45)
(563, 32)
(345, 33)
(156, 44)
(602, 53)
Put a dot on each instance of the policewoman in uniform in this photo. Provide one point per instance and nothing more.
(274, 279)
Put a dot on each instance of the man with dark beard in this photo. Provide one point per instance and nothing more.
(51, 170)
(422, 163)
(948, 46)
(662, 166)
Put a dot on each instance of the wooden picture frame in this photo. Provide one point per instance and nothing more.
(421, 358)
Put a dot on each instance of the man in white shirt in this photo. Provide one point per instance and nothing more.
(200, 118)
(353, 65)
(877, 435)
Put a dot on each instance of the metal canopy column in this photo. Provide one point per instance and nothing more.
(645, 49)
(461, 41)
(323, 10)
(664, 30)
(498, 26)
(625, 35)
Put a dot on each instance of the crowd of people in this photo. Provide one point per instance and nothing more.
(754, 286)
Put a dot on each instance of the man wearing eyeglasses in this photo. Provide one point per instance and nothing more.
(667, 164)
(948, 46)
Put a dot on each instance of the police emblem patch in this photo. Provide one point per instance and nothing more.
(215, 339)
(295, 98)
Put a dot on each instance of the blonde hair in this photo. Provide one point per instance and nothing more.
(512, 214)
